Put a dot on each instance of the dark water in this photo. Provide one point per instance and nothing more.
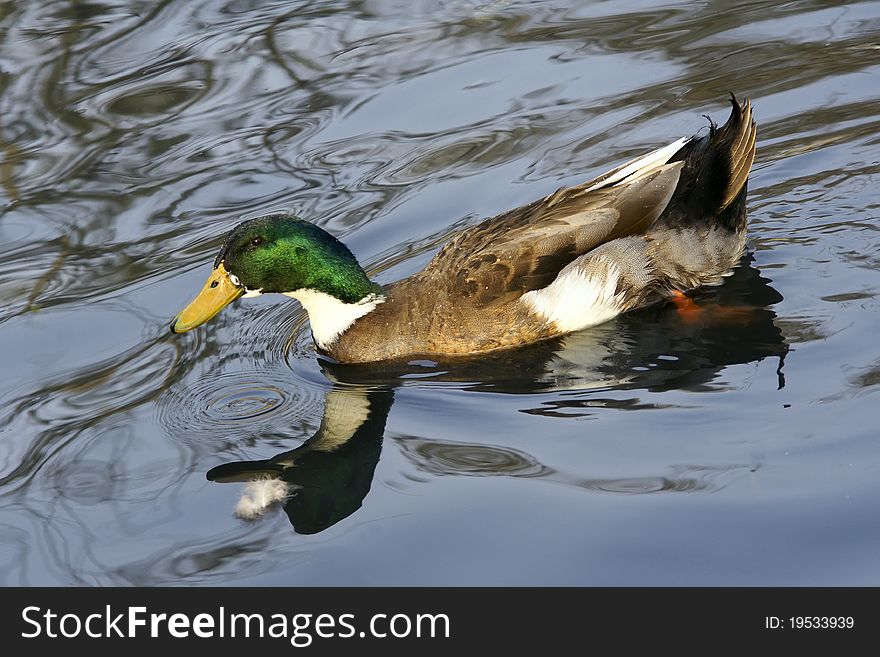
(738, 449)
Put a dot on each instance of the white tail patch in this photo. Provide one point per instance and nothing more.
(329, 316)
(640, 166)
(259, 495)
(576, 300)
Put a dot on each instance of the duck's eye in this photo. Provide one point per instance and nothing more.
(256, 241)
(234, 280)
(214, 284)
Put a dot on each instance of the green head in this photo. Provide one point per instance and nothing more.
(277, 253)
(280, 253)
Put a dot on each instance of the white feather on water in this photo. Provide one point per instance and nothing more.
(259, 496)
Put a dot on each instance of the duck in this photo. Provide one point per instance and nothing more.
(651, 229)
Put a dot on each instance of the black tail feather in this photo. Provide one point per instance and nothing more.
(714, 178)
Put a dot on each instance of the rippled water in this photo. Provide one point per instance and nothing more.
(738, 449)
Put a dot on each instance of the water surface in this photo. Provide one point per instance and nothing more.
(738, 449)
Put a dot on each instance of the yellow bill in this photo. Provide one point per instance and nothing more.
(217, 293)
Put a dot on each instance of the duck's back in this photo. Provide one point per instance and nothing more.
(467, 300)
(673, 219)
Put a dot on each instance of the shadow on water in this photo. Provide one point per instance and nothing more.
(326, 479)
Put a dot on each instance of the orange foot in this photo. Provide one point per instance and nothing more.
(690, 313)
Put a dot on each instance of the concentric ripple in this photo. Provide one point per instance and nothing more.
(244, 400)
(217, 405)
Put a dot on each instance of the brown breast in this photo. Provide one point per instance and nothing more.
(412, 321)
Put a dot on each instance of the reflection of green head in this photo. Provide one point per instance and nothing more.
(280, 253)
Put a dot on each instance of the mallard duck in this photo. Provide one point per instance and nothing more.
(662, 224)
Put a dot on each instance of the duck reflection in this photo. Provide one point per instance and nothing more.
(325, 479)
(664, 347)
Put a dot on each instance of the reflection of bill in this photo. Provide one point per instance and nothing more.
(661, 348)
(326, 478)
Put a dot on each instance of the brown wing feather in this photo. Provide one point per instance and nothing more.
(525, 248)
